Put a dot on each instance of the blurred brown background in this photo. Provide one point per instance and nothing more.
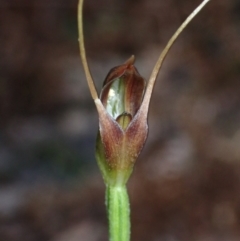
(185, 185)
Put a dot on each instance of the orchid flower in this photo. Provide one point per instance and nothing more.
(122, 107)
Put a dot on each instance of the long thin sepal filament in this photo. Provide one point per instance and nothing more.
(162, 56)
(83, 52)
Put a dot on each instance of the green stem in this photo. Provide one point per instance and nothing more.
(117, 203)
